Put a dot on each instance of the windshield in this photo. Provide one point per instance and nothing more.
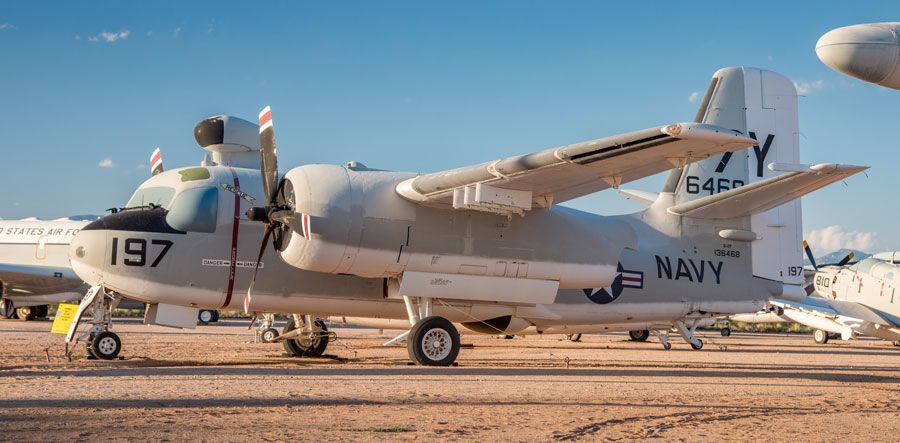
(194, 210)
(157, 195)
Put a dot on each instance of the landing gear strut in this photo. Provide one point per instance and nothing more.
(101, 342)
(305, 337)
(266, 332)
(687, 333)
(432, 340)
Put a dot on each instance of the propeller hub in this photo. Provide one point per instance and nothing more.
(258, 214)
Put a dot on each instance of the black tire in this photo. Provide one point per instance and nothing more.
(821, 337)
(25, 313)
(574, 337)
(639, 335)
(433, 341)
(698, 346)
(106, 345)
(726, 332)
(204, 317)
(302, 347)
(42, 311)
(268, 335)
(667, 346)
(215, 316)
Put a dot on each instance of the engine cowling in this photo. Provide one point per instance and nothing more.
(352, 221)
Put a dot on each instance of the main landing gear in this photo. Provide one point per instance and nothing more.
(266, 331)
(432, 340)
(101, 342)
(642, 335)
(686, 332)
(304, 336)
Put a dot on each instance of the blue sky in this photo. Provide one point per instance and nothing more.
(416, 86)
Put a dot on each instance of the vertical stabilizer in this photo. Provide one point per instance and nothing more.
(762, 104)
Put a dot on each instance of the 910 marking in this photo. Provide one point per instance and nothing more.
(136, 251)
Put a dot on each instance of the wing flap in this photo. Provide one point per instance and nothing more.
(765, 194)
(560, 174)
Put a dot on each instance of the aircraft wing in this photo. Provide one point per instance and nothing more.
(516, 184)
(766, 194)
(38, 279)
(845, 310)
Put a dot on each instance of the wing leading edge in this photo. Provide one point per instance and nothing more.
(516, 184)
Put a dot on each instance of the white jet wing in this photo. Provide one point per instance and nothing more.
(766, 194)
(516, 184)
(844, 312)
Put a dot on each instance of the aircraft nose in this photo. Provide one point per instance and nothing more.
(868, 52)
(87, 254)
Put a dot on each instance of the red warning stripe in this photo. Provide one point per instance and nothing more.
(235, 227)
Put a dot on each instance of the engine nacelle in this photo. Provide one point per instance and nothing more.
(352, 221)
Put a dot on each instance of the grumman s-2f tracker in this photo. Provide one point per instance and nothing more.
(485, 245)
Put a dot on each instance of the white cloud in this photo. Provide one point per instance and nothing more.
(832, 238)
(694, 96)
(106, 163)
(176, 32)
(7, 27)
(110, 37)
(806, 88)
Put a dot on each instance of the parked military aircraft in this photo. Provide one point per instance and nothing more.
(485, 244)
(852, 299)
(34, 266)
(869, 52)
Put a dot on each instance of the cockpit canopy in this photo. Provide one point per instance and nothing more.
(189, 207)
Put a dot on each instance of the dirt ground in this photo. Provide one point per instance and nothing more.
(215, 384)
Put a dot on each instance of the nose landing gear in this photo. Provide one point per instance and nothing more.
(101, 342)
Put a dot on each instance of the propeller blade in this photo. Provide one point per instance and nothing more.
(156, 163)
(285, 217)
(268, 160)
(262, 249)
(846, 259)
(809, 255)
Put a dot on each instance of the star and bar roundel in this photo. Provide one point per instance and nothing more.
(624, 279)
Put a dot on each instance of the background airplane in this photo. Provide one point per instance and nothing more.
(869, 52)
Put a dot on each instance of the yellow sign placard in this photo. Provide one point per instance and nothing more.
(65, 313)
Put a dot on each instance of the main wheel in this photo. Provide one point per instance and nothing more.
(698, 346)
(205, 316)
(573, 337)
(25, 313)
(269, 335)
(307, 346)
(726, 332)
(820, 336)
(433, 341)
(639, 335)
(106, 345)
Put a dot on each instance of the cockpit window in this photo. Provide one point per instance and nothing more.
(157, 195)
(194, 210)
(865, 265)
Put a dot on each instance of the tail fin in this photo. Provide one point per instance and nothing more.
(762, 104)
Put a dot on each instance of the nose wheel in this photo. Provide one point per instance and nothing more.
(100, 341)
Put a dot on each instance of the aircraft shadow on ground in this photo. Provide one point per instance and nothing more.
(320, 372)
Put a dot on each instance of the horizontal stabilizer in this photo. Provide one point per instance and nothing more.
(643, 197)
(765, 194)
